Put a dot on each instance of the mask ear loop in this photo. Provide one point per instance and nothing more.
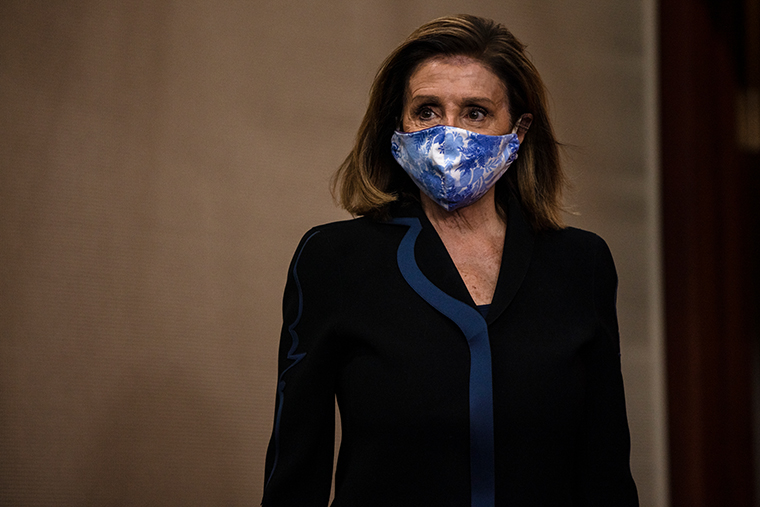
(523, 124)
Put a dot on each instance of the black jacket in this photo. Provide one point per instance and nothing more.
(376, 313)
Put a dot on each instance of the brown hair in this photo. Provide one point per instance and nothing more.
(370, 179)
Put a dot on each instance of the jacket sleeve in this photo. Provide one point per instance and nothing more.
(605, 476)
(299, 459)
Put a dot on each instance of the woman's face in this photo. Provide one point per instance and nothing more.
(456, 91)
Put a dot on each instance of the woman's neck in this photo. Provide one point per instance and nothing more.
(474, 239)
(480, 217)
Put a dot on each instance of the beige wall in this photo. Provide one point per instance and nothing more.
(159, 162)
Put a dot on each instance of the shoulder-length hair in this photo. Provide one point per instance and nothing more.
(370, 179)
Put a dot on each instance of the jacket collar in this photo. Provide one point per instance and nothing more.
(435, 263)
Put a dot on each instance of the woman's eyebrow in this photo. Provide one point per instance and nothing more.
(426, 98)
(465, 100)
(478, 100)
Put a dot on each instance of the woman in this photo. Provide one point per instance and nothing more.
(470, 338)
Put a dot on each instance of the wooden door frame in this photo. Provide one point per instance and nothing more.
(709, 219)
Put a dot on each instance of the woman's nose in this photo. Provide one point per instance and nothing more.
(451, 120)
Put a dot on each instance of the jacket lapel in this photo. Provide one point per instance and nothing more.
(435, 263)
(515, 259)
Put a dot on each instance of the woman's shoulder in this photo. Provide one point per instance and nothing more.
(344, 231)
(572, 237)
(574, 246)
(345, 239)
(344, 228)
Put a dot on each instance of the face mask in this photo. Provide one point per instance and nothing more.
(453, 166)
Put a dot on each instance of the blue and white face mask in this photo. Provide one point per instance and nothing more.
(453, 166)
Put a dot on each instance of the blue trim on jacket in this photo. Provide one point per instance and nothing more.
(475, 329)
(296, 358)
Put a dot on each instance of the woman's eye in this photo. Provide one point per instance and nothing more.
(476, 114)
(425, 114)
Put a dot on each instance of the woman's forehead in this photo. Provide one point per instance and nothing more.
(454, 74)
